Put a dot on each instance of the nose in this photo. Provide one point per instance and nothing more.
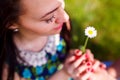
(62, 16)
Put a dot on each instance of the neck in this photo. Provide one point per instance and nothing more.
(33, 43)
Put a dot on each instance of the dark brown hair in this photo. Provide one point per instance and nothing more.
(9, 13)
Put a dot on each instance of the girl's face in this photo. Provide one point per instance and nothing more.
(42, 17)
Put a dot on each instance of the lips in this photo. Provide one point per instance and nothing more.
(58, 27)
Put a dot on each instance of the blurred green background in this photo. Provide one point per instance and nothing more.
(104, 15)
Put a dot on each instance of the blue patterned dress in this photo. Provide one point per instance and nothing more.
(49, 66)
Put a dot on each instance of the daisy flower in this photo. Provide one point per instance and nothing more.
(90, 32)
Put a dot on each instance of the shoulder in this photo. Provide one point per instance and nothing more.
(5, 71)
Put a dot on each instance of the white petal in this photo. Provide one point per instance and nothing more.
(94, 32)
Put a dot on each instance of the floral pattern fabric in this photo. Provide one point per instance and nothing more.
(43, 72)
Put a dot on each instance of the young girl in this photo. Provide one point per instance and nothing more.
(30, 45)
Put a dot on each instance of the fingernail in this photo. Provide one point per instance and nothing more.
(88, 63)
(88, 69)
(77, 52)
(86, 55)
(103, 66)
(84, 61)
(89, 79)
(92, 70)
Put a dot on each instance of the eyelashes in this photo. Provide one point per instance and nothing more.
(51, 19)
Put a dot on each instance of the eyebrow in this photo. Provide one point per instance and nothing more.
(50, 12)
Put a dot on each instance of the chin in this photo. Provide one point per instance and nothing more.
(58, 32)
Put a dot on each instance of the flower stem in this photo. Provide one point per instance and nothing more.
(85, 44)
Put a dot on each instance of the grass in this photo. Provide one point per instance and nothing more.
(104, 16)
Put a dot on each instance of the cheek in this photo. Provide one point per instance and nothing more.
(41, 28)
(30, 24)
(36, 26)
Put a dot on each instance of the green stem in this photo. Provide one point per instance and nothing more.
(85, 44)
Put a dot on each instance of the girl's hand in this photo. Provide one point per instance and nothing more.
(99, 71)
(100, 74)
(77, 64)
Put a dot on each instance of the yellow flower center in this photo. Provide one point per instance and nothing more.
(90, 32)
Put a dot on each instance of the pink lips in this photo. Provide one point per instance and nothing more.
(58, 27)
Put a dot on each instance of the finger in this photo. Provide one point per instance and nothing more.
(71, 52)
(23, 79)
(85, 76)
(82, 69)
(96, 64)
(103, 66)
(71, 67)
(74, 51)
(89, 55)
(70, 59)
(16, 76)
(70, 71)
(74, 65)
(78, 61)
(77, 54)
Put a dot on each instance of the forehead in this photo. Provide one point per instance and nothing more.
(39, 6)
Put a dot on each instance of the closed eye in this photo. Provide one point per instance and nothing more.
(51, 19)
